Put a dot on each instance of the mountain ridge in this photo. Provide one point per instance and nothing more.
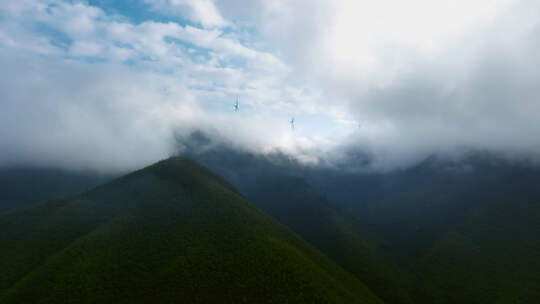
(171, 231)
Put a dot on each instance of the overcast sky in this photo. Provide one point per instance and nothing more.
(106, 85)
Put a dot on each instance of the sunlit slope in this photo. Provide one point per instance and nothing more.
(172, 232)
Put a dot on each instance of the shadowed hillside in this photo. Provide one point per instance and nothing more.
(442, 231)
(299, 206)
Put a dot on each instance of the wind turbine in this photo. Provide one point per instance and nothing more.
(236, 104)
(292, 123)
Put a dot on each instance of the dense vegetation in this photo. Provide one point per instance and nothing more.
(295, 203)
(468, 233)
(439, 232)
(172, 232)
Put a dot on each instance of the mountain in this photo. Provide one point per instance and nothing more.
(22, 186)
(171, 232)
(295, 203)
(468, 232)
(442, 231)
(279, 186)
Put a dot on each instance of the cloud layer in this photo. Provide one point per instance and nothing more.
(86, 85)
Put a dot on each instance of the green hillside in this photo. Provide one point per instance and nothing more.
(171, 233)
(465, 236)
(175, 232)
(438, 232)
(296, 204)
(494, 257)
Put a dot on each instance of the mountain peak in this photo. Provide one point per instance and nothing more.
(171, 232)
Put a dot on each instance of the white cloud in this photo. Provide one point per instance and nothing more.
(108, 94)
(203, 12)
(421, 76)
(86, 48)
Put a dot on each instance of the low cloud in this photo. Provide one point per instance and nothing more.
(418, 78)
(393, 82)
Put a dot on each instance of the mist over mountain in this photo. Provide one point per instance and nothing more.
(306, 151)
(350, 162)
(444, 230)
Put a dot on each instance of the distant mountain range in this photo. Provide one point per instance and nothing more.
(21, 186)
(443, 231)
(439, 232)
